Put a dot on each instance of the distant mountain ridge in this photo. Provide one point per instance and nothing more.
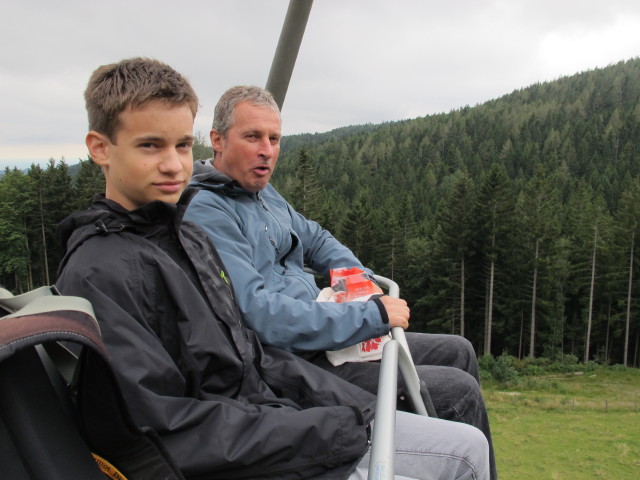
(588, 123)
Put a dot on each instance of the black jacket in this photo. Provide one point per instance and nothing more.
(223, 405)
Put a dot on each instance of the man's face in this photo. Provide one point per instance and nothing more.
(249, 151)
(151, 159)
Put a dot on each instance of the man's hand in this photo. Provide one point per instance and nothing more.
(397, 311)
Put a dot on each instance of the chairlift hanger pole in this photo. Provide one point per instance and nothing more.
(284, 59)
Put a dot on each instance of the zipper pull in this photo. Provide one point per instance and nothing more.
(264, 205)
(271, 240)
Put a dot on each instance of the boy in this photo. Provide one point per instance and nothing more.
(223, 405)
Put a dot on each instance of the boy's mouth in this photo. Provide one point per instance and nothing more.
(170, 187)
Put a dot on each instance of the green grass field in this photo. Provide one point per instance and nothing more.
(566, 427)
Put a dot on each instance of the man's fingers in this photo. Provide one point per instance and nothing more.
(397, 311)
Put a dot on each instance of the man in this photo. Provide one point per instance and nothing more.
(265, 245)
(223, 405)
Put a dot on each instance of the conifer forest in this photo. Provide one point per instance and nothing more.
(515, 223)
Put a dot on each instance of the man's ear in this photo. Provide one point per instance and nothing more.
(98, 146)
(216, 140)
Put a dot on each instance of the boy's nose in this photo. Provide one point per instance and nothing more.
(171, 163)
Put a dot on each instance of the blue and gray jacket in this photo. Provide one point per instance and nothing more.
(265, 245)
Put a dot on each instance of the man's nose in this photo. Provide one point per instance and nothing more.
(266, 149)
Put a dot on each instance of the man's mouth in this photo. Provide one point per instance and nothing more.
(262, 169)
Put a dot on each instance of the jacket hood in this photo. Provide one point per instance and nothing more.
(106, 216)
(206, 176)
(204, 171)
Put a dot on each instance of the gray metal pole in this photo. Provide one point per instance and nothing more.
(417, 389)
(287, 50)
(381, 461)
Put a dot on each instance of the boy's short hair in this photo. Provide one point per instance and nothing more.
(223, 112)
(133, 82)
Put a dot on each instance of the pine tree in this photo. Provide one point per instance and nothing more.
(356, 230)
(538, 206)
(587, 226)
(306, 190)
(87, 183)
(495, 208)
(54, 200)
(453, 240)
(16, 202)
(628, 228)
(201, 149)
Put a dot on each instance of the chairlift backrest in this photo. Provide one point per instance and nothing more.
(45, 432)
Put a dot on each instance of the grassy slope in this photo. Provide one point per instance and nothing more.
(567, 426)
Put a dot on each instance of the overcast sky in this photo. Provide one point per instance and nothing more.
(361, 61)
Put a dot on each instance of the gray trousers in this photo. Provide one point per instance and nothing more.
(433, 449)
(448, 366)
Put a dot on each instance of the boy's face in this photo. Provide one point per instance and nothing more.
(249, 151)
(151, 159)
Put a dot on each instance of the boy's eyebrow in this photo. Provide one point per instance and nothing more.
(153, 138)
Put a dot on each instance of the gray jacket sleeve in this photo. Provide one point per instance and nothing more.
(293, 324)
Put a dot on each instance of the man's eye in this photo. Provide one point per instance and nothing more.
(148, 145)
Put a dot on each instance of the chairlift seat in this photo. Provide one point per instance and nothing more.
(43, 434)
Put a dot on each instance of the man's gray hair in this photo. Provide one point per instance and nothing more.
(223, 114)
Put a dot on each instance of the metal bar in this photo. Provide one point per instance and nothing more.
(382, 440)
(392, 287)
(286, 54)
(417, 390)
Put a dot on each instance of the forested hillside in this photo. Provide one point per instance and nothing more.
(513, 223)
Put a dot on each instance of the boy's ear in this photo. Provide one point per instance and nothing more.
(98, 146)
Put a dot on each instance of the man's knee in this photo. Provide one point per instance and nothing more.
(455, 393)
(439, 349)
(455, 351)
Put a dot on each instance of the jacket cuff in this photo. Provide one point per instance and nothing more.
(383, 311)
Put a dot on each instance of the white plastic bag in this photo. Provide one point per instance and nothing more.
(352, 285)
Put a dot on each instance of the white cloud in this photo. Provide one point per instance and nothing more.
(360, 62)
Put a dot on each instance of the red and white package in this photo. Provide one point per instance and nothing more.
(352, 285)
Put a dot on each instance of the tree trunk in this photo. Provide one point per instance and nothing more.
(628, 320)
(521, 333)
(29, 272)
(532, 342)
(487, 336)
(591, 291)
(606, 341)
(44, 243)
(462, 281)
